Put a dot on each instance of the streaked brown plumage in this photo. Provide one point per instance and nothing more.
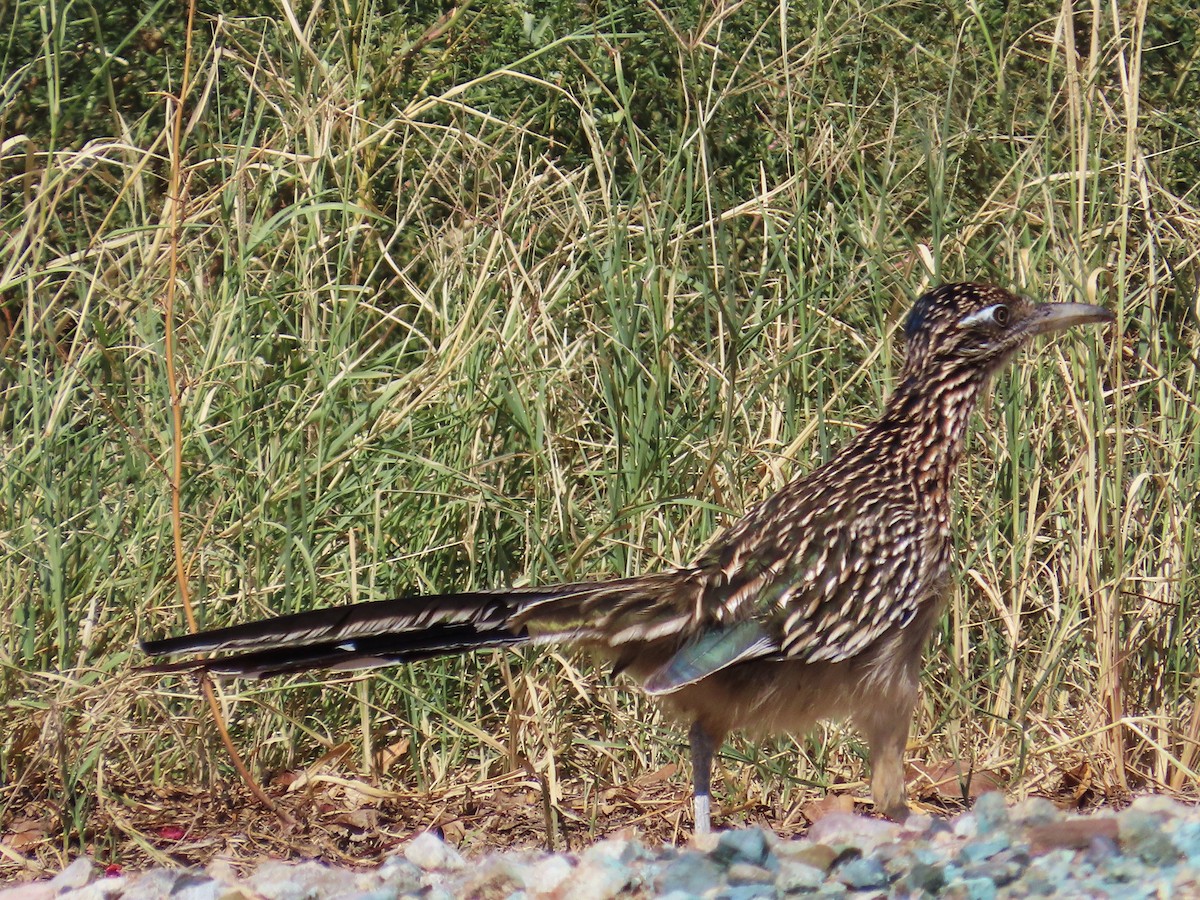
(815, 605)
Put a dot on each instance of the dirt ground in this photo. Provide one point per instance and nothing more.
(345, 820)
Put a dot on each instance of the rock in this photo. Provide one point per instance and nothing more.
(975, 851)
(897, 858)
(1034, 811)
(971, 889)
(820, 856)
(220, 868)
(966, 825)
(746, 892)
(692, 873)
(1074, 834)
(1186, 837)
(916, 825)
(156, 884)
(747, 845)
(400, 875)
(1151, 849)
(991, 812)
(862, 874)
(1141, 833)
(747, 873)
(76, 875)
(603, 871)
(97, 890)
(35, 890)
(1100, 850)
(379, 893)
(926, 877)
(278, 880)
(795, 877)
(430, 852)
(705, 843)
(1160, 805)
(496, 876)
(547, 875)
(853, 830)
(197, 887)
(621, 849)
(1047, 872)
(1001, 868)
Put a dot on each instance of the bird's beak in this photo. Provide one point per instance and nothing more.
(1057, 316)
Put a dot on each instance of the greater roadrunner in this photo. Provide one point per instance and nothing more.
(815, 605)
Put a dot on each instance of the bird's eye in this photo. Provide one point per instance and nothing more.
(996, 314)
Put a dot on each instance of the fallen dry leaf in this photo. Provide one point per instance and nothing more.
(388, 756)
(658, 775)
(364, 819)
(953, 779)
(816, 810)
(26, 832)
(286, 778)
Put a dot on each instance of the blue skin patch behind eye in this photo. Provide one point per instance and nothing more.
(918, 318)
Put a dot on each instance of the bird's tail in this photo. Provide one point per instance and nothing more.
(385, 632)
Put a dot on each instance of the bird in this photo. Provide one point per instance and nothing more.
(815, 605)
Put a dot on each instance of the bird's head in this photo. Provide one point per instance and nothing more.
(978, 327)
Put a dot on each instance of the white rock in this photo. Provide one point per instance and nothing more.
(100, 889)
(198, 888)
(76, 875)
(35, 890)
(1158, 804)
(966, 825)
(429, 851)
(546, 876)
(857, 831)
(277, 880)
(157, 884)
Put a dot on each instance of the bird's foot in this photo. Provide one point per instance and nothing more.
(702, 807)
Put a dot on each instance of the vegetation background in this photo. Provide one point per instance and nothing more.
(303, 303)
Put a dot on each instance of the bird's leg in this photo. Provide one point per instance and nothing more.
(887, 736)
(702, 745)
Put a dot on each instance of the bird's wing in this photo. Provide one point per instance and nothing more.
(824, 574)
(881, 578)
(711, 651)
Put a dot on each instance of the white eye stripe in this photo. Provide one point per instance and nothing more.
(996, 314)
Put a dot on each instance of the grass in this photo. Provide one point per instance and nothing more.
(447, 300)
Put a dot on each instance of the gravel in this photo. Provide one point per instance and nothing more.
(1151, 849)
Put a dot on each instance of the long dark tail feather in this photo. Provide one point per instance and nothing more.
(385, 632)
(362, 653)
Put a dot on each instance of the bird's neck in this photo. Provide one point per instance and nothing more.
(928, 423)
